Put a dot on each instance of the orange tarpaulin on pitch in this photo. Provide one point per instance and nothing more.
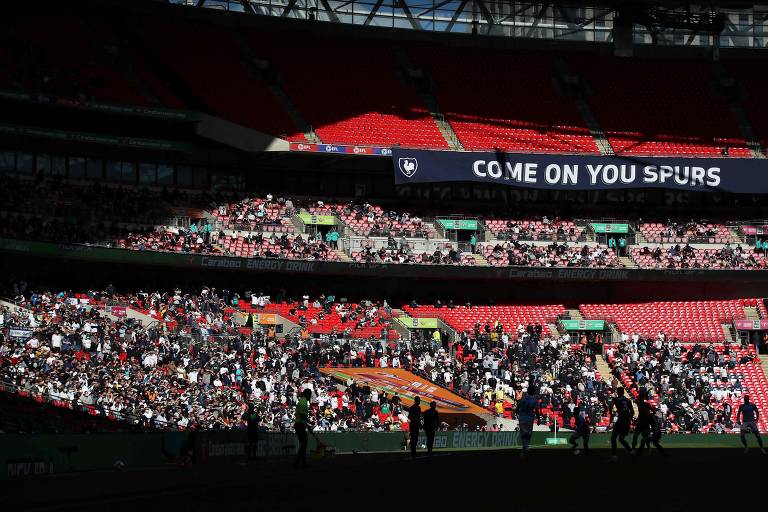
(407, 385)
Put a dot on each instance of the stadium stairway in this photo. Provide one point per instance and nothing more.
(727, 332)
(729, 89)
(432, 231)
(397, 326)
(574, 314)
(146, 53)
(126, 63)
(604, 369)
(594, 128)
(343, 256)
(750, 313)
(627, 262)
(442, 123)
(143, 318)
(288, 326)
(421, 81)
(480, 261)
(736, 236)
(250, 65)
(572, 86)
(507, 424)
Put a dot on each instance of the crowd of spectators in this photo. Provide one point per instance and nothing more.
(53, 209)
(534, 229)
(198, 367)
(120, 369)
(493, 365)
(140, 218)
(190, 240)
(309, 247)
(256, 214)
(678, 256)
(404, 254)
(692, 231)
(553, 255)
(693, 386)
(163, 376)
(373, 220)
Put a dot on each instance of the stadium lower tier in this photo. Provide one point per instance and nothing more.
(697, 388)
(175, 360)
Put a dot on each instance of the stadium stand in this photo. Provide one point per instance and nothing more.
(147, 219)
(80, 57)
(464, 319)
(200, 348)
(534, 229)
(554, 255)
(378, 109)
(256, 214)
(287, 247)
(686, 321)
(216, 75)
(698, 388)
(61, 63)
(688, 232)
(750, 81)
(505, 101)
(241, 176)
(688, 257)
(687, 119)
(76, 57)
(373, 220)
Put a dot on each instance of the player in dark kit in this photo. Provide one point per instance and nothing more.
(647, 426)
(527, 410)
(581, 430)
(431, 420)
(625, 414)
(747, 416)
(414, 423)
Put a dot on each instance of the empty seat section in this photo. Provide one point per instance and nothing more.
(372, 108)
(463, 318)
(506, 100)
(659, 107)
(686, 321)
(58, 55)
(209, 62)
(752, 81)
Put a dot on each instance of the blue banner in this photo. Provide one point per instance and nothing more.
(577, 172)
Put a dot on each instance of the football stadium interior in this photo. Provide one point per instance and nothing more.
(210, 207)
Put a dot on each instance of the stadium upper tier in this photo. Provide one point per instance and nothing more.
(313, 87)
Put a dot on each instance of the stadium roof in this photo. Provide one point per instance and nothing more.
(724, 23)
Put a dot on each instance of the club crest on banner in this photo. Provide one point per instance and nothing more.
(408, 166)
